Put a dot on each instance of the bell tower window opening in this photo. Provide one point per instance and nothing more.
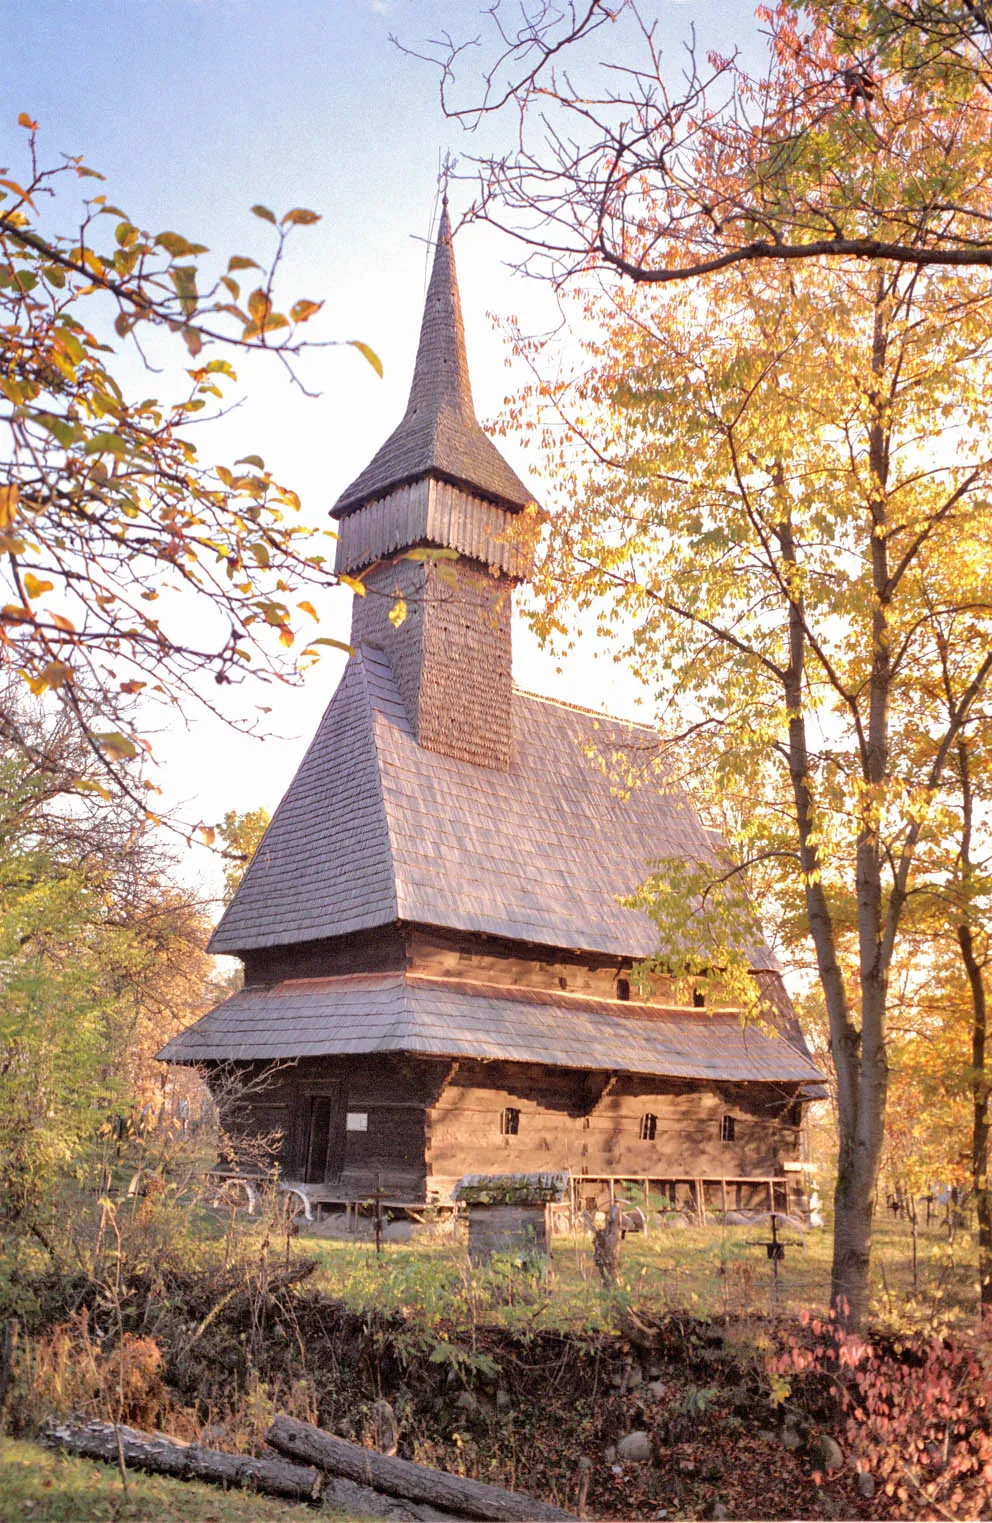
(728, 1129)
(623, 988)
(649, 1127)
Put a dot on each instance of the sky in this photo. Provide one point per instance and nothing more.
(194, 110)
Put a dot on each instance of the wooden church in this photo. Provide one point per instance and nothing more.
(437, 964)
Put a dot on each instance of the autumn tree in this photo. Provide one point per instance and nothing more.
(615, 157)
(773, 500)
(131, 565)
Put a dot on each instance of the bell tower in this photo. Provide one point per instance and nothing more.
(439, 483)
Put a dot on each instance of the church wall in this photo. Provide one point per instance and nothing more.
(427, 1122)
(564, 1123)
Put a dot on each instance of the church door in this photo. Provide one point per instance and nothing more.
(325, 1137)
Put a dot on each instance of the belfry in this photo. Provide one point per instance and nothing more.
(438, 966)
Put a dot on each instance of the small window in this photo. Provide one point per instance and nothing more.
(698, 998)
(728, 1129)
(796, 1113)
(623, 988)
(509, 1122)
(649, 1127)
(356, 1121)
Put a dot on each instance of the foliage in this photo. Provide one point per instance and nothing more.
(130, 565)
(625, 163)
(786, 534)
(917, 1414)
(101, 958)
(241, 834)
(510, 1189)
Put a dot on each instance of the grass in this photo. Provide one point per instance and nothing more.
(40, 1486)
(708, 1271)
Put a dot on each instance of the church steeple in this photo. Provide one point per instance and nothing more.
(439, 434)
(439, 482)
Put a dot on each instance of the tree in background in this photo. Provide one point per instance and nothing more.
(241, 834)
(130, 566)
(101, 960)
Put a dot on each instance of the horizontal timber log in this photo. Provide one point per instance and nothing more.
(402, 1478)
(168, 1456)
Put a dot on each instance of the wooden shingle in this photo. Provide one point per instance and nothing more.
(404, 1012)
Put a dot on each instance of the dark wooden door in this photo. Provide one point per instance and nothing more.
(325, 1137)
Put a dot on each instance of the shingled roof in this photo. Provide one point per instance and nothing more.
(375, 829)
(404, 1012)
(439, 434)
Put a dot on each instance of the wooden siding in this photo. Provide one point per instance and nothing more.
(429, 1122)
(381, 950)
(436, 513)
(559, 1127)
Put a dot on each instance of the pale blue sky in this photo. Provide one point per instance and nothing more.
(195, 109)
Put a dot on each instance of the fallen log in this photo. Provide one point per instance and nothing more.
(161, 1455)
(402, 1478)
(170, 1456)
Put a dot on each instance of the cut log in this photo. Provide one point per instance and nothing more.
(402, 1478)
(170, 1456)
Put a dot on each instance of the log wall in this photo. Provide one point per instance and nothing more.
(562, 1124)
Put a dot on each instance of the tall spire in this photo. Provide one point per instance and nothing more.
(439, 434)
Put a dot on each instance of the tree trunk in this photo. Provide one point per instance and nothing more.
(168, 1456)
(980, 1088)
(401, 1478)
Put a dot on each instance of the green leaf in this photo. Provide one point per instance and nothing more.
(300, 217)
(116, 746)
(255, 460)
(178, 246)
(265, 214)
(98, 444)
(184, 280)
(66, 433)
(368, 354)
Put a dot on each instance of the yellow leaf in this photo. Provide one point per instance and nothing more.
(209, 834)
(368, 354)
(299, 216)
(34, 587)
(309, 608)
(90, 785)
(397, 613)
(61, 622)
(15, 613)
(8, 504)
(286, 636)
(301, 310)
(357, 587)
